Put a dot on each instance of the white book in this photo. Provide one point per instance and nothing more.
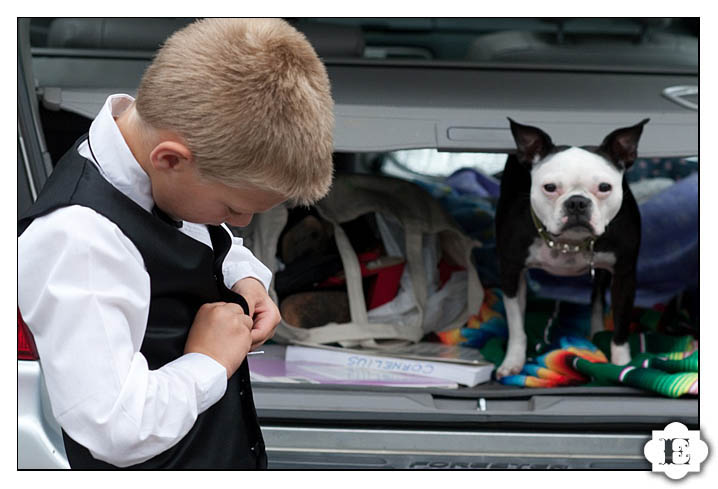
(271, 367)
(461, 373)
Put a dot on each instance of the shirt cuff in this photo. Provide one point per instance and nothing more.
(240, 263)
(210, 377)
(234, 272)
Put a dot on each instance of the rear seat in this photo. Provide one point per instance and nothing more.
(658, 48)
(122, 34)
(329, 40)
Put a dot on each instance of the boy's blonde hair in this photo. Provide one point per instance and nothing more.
(251, 99)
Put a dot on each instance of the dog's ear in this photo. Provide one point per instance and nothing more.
(621, 145)
(532, 144)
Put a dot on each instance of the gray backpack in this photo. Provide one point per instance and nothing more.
(413, 224)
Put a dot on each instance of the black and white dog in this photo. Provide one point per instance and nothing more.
(568, 210)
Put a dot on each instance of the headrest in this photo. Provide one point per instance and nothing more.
(125, 34)
(333, 40)
(329, 40)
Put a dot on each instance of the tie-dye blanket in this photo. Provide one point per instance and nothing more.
(664, 364)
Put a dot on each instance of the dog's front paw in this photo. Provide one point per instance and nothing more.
(512, 364)
(620, 354)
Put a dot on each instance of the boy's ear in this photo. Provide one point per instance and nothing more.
(621, 145)
(168, 155)
(532, 144)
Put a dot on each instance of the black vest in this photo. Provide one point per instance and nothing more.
(184, 274)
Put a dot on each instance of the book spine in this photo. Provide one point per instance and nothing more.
(439, 370)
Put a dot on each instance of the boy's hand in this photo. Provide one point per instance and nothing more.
(262, 309)
(221, 331)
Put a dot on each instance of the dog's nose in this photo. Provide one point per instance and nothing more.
(577, 205)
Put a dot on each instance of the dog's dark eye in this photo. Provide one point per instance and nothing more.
(550, 187)
(604, 187)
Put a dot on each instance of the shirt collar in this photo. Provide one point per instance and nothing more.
(114, 158)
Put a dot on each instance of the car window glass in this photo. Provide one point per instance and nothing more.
(432, 163)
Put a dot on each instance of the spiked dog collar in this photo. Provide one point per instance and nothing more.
(563, 246)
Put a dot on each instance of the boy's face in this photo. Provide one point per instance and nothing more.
(185, 195)
(181, 192)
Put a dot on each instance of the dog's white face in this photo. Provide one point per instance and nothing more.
(576, 192)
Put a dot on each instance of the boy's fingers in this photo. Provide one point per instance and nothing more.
(246, 321)
(229, 307)
(263, 330)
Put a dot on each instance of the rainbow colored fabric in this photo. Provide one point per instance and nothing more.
(666, 365)
(579, 362)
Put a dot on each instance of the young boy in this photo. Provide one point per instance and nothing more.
(142, 305)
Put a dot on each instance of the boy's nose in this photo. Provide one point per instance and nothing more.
(241, 220)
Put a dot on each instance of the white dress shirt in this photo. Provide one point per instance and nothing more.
(86, 302)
